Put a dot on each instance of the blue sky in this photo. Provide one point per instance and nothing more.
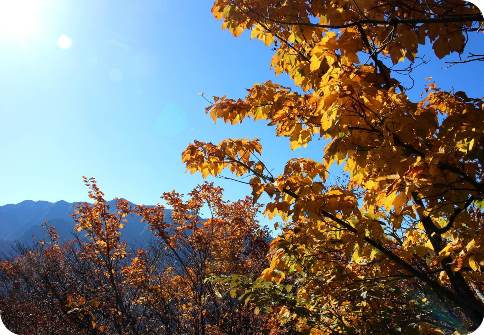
(120, 104)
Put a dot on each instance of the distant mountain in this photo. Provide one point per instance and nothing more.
(16, 219)
(22, 223)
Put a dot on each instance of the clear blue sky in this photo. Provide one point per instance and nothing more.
(120, 103)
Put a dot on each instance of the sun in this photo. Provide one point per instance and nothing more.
(18, 18)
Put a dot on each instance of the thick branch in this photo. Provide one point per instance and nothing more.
(392, 21)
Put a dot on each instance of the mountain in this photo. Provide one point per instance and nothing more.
(17, 219)
(22, 223)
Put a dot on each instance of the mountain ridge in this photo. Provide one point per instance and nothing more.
(22, 222)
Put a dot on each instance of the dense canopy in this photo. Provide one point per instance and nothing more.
(405, 228)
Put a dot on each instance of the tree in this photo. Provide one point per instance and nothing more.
(79, 285)
(36, 287)
(208, 237)
(410, 210)
(96, 285)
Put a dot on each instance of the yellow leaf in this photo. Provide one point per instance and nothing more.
(471, 245)
(356, 256)
(266, 274)
(233, 293)
(268, 39)
(386, 200)
(315, 63)
(237, 31)
(422, 251)
(473, 264)
(399, 201)
(471, 144)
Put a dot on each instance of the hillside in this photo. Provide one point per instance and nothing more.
(22, 223)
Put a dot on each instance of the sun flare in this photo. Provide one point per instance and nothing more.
(18, 18)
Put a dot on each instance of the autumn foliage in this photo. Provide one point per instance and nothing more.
(395, 246)
(398, 246)
(96, 285)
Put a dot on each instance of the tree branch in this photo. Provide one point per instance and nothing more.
(454, 215)
(392, 21)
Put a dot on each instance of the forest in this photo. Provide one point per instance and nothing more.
(392, 244)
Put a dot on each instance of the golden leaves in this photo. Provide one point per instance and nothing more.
(275, 271)
(324, 51)
(101, 225)
(257, 188)
(261, 34)
(136, 273)
(475, 266)
(280, 208)
(404, 161)
(210, 159)
(337, 199)
(396, 200)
